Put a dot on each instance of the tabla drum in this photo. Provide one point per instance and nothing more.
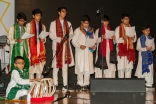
(36, 90)
(44, 88)
(48, 87)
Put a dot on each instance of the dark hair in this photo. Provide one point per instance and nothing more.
(85, 18)
(18, 57)
(60, 8)
(21, 16)
(124, 15)
(105, 18)
(36, 11)
(145, 27)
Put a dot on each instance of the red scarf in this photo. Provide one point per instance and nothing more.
(122, 47)
(103, 43)
(33, 46)
(59, 33)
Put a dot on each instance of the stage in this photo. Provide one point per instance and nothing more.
(150, 98)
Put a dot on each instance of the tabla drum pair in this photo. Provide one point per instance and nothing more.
(43, 88)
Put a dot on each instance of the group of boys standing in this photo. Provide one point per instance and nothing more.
(107, 54)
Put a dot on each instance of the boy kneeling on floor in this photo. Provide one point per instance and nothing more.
(19, 82)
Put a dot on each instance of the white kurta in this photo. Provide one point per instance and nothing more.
(123, 63)
(139, 66)
(16, 79)
(83, 58)
(39, 67)
(111, 67)
(11, 41)
(56, 40)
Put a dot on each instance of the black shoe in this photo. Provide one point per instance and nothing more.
(56, 87)
(148, 86)
(78, 87)
(64, 88)
(85, 88)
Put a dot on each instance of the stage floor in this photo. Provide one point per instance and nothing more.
(83, 97)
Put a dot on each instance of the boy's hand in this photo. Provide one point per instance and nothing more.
(31, 80)
(132, 38)
(82, 47)
(148, 48)
(93, 47)
(42, 40)
(125, 37)
(37, 79)
(19, 40)
(113, 37)
(103, 36)
(27, 55)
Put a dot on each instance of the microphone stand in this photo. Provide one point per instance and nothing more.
(101, 16)
(47, 68)
(67, 94)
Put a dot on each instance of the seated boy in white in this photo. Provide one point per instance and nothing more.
(19, 82)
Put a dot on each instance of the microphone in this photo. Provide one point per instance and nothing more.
(99, 10)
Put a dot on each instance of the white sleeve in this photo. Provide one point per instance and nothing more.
(139, 48)
(71, 34)
(75, 39)
(117, 38)
(17, 79)
(153, 47)
(10, 35)
(135, 38)
(28, 28)
(52, 34)
(97, 37)
(45, 31)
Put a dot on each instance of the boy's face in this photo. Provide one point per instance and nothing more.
(37, 17)
(19, 64)
(21, 22)
(105, 23)
(125, 20)
(63, 13)
(85, 24)
(146, 31)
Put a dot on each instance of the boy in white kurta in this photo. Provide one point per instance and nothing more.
(19, 82)
(18, 46)
(64, 56)
(105, 50)
(83, 54)
(36, 45)
(145, 57)
(125, 48)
